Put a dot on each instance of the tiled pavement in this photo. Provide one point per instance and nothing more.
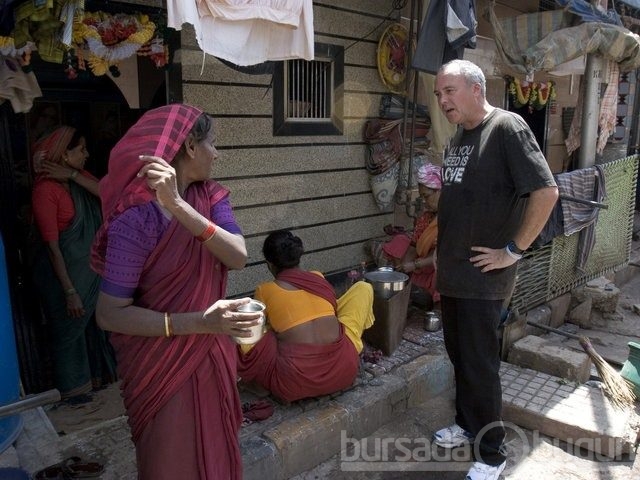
(577, 414)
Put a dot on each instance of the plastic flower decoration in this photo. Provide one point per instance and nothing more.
(520, 92)
(111, 38)
(531, 94)
(545, 91)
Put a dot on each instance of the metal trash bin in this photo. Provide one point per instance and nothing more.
(391, 293)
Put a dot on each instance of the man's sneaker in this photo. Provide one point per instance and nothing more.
(482, 471)
(452, 437)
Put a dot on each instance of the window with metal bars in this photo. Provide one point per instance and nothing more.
(309, 87)
(307, 95)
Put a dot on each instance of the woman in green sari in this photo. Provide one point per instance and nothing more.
(66, 208)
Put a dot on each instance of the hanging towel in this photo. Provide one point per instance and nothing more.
(583, 184)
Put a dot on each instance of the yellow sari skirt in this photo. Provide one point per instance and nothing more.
(355, 312)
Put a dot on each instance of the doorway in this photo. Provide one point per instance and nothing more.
(96, 107)
(525, 99)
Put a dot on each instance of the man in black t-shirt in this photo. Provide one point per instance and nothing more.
(497, 194)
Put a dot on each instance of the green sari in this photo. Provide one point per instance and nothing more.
(81, 351)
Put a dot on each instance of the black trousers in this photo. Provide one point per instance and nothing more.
(471, 339)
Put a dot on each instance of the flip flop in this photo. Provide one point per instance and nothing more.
(75, 467)
(71, 467)
(55, 471)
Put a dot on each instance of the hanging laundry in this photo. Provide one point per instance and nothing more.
(18, 87)
(606, 114)
(40, 23)
(448, 27)
(278, 11)
(590, 13)
(587, 184)
(259, 31)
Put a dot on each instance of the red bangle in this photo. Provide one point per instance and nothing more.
(208, 233)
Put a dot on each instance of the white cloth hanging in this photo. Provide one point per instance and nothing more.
(278, 11)
(18, 87)
(250, 35)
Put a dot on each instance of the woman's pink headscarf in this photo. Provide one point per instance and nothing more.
(52, 147)
(159, 132)
(429, 175)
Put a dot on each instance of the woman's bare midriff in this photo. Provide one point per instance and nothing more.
(319, 331)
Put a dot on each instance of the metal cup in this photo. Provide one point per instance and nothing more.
(257, 330)
(432, 322)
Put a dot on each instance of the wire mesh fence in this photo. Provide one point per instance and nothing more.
(550, 271)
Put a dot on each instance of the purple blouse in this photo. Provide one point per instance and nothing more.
(134, 235)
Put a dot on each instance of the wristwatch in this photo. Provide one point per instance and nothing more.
(513, 250)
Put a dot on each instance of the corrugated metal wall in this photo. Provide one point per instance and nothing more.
(314, 185)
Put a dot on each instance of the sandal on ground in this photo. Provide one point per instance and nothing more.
(55, 471)
(77, 468)
(72, 467)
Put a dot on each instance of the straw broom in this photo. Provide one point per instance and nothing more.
(617, 389)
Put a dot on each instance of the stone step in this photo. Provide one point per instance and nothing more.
(310, 437)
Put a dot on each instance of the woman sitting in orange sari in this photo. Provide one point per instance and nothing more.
(315, 339)
(416, 255)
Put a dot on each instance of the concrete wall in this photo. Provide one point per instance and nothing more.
(314, 185)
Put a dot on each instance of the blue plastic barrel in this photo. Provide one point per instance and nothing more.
(10, 427)
(10, 473)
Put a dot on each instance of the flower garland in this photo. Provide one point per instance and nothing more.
(111, 38)
(535, 95)
(156, 50)
(546, 91)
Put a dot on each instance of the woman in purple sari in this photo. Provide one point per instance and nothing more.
(163, 252)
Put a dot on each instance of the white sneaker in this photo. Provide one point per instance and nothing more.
(482, 471)
(452, 437)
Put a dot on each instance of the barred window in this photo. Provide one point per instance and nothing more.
(309, 90)
(307, 95)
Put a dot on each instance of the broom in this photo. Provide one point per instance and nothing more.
(616, 388)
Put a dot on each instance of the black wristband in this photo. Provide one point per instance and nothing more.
(514, 248)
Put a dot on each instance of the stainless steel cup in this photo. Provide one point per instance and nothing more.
(432, 322)
(257, 330)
